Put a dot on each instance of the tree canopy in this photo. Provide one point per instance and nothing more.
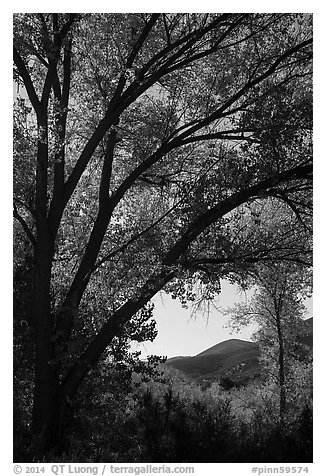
(151, 151)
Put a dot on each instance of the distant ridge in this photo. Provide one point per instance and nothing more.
(230, 345)
(172, 359)
(234, 360)
(231, 357)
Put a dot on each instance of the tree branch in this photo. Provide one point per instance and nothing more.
(230, 135)
(25, 227)
(27, 81)
(160, 278)
(142, 38)
(56, 206)
(283, 196)
(191, 38)
(225, 206)
(54, 56)
(217, 114)
(112, 328)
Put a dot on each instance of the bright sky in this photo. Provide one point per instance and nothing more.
(179, 333)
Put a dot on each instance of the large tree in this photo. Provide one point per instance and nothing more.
(151, 151)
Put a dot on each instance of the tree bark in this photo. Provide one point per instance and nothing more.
(46, 381)
(281, 371)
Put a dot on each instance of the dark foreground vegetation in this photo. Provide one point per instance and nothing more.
(172, 419)
(177, 421)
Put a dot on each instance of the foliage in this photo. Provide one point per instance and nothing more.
(104, 395)
(151, 151)
(278, 308)
(174, 420)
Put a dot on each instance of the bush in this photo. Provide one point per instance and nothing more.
(175, 420)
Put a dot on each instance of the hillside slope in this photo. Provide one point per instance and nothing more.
(234, 357)
(235, 361)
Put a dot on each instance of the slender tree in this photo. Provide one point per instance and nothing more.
(147, 148)
(277, 306)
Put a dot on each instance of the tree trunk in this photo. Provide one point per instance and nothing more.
(46, 382)
(44, 405)
(281, 371)
(52, 400)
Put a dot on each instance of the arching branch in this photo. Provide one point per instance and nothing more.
(25, 227)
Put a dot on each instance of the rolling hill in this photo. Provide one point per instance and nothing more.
(234, 361)
(232, 358)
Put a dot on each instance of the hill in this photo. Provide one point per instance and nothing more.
(232, 362)
(233, 359)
